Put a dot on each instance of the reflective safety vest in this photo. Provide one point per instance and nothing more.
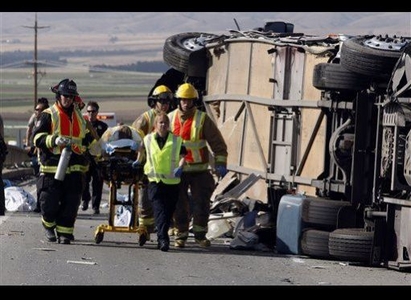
(74, 129)
(161, 163)
(193, 138)
(150, 116)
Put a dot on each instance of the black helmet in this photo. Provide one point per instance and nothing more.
(66, 87)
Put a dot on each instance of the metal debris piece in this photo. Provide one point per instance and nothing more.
(45, 249)
(319, 267)
(86, 258)
(81, 262)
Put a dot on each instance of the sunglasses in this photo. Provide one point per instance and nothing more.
(164, 101)
(91, 111)
(68, 96)
(165, 96)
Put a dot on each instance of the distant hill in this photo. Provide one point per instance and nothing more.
(80, 25)
(146, 31)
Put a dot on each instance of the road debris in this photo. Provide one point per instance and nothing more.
(81, 262)
(45, 249)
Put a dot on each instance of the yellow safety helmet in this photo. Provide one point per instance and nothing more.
(162, 92)
(186, 91)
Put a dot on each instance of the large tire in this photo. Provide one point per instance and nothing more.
(321, 213)
(353, 244)
(315, 243)
(377, 63)
(186, 52)
(329, 76)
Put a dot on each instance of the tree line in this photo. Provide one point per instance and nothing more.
(20, 59)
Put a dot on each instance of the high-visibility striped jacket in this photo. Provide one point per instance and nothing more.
(161, 163)
(145, 122)
(197, 130)
(56, 121)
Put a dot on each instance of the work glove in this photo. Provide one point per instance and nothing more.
(178, 171)
(221, 171)
(61, 141)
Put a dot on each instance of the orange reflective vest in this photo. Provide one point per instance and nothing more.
(74, 129)
(191, 131)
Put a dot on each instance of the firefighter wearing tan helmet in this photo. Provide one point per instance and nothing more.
(199, 133)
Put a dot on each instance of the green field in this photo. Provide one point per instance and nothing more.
(124, 93)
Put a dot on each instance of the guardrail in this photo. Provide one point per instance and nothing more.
(17, 163)
(16, 155)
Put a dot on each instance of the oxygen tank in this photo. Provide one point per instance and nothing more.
(63, 163)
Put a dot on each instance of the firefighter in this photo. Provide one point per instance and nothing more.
(161, 100)
(198, 131)
(61, 125)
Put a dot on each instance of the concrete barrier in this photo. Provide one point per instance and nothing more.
(16, 162)
(17, 173)
(16, 155)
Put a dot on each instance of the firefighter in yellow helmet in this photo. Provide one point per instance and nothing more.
(161, 100)
(198, 131)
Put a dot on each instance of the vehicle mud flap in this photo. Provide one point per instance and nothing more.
(395, 255)
(274, 196)
(289, 224)
(378, 247)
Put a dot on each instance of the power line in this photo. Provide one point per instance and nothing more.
(36, 27)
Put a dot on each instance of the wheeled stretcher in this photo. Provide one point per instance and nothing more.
(117, 170)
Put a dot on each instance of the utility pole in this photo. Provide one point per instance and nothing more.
(35, 56)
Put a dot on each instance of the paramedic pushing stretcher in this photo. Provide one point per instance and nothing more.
(59, 126)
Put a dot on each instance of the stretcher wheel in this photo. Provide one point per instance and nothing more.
(99, 237)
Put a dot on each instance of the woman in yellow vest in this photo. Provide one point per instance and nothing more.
(164, 152)
(61, 126)
(160, 100)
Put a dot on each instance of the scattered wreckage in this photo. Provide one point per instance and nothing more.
(321, 124)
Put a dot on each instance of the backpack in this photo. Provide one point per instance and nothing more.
(3, 149)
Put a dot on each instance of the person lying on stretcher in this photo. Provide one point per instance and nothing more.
(117, 138)
(116, 151)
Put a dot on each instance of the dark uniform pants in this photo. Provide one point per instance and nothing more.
(196, 205)
(163, 198)
(94, 175)
(59, 201)
(2, 195)
(145, 208)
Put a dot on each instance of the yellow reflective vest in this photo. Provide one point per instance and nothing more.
(161, 163)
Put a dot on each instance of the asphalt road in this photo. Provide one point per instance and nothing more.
(27, 259)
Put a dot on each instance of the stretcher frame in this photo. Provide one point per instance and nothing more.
(117, 171)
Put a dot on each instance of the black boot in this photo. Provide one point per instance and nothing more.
(65, 238)
(84, 206)
(163, 245)
(50, 234)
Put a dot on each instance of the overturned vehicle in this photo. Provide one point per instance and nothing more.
(321, 124)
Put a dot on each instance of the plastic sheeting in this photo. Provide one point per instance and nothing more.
(17, 199)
